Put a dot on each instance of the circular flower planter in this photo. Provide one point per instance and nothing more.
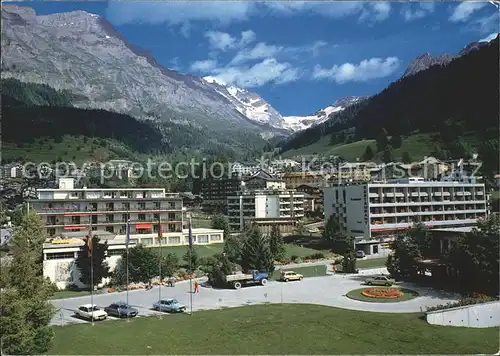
(382, 294)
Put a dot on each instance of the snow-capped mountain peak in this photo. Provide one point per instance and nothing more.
(299, 123)
(248, 103)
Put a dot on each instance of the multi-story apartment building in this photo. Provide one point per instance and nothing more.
(215, 191)
(265, 208)
(68, 209)
(316, 192)
(379, 210)
(294, 179)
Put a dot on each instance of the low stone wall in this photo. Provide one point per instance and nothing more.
(373, 271)
(484, 315)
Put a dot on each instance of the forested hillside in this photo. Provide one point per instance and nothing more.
(32, 111)
(454, 102)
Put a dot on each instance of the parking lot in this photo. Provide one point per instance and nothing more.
(329, 290)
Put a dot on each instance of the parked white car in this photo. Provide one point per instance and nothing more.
(90, 311)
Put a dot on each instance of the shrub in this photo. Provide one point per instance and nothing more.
(294, 258)
(479, 299)
(316, 256)
(299, 260)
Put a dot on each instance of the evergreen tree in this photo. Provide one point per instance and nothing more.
(405, 157)
(396, 141)
(368, 154)
(387, 155)
(25, 309)
(220, 222)
(256, 253)
(332, 229)
(233, 246)
(191, 258)
(276, 243)
(98, 259)
(349, 256)
(219, 266)
(382, 140)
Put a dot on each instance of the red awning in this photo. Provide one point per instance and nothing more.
(143, 226)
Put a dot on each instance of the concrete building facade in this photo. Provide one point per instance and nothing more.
(265, 208)
(373, 213)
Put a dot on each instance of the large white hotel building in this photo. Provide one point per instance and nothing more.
(374, 212)
(265, 208)
(69, 213)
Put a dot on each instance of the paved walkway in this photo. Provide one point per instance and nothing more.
(329, 291)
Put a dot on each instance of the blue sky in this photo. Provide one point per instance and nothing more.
(299, 56)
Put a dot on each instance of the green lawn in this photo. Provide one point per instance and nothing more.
(273, 329)
(210, 250)
(201, 223)
(356, 295)
(69, 294)
(309, 271)
(370, 263)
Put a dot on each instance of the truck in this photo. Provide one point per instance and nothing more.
(252, 277)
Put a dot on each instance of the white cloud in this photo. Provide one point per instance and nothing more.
(464, 10)
(268, 71)
(204, 66)
(224, 41)
(225, 12)
(177, 12)
(259, 51)
(366, 70)
(375, 11)
(487, 24)
(490, 37)
(417, 11)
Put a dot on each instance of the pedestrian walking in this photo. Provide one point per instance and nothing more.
(196, 286)
(172, 281)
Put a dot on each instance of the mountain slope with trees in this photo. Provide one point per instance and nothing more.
(457, 100)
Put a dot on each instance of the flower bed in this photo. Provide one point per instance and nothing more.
(382, 292)
(382, 295)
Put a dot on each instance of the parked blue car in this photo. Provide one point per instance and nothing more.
(169, 305)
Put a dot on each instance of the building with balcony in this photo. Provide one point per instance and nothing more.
(265, 208)
(374, 212)
(69, 209)
(294, 179)
(215, 191)
(316, 192)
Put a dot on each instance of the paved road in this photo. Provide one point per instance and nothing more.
(329, 290)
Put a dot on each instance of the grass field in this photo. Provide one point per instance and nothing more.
(273, 329)
(70, 149)
(210, 250)
(309, 271)
(356, 295)
(370, 263)
(418, 146)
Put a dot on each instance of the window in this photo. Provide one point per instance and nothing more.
(124, 217)
(126, 206)
(109, 229)
(202, 239)
(110, 218)
(215, 238)
(156, 205)
(142, 206)
(60, 255)
(147, 242)
(75, 220)
(175, 240)
(141, 217)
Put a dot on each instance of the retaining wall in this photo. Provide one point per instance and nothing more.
(484, 315)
